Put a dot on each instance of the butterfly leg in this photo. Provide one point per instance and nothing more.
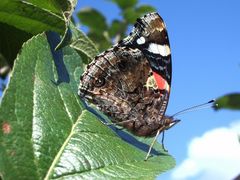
(162, 141)
(153, 142)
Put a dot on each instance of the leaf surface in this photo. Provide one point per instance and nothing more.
(19, 20)
(93, 19)
(230, 101)
(47, 132)
(31, 17)
(11, 40)
(82, 43)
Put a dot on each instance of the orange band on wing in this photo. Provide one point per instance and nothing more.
(161, 83)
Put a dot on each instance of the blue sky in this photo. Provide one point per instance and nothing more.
(205, 45)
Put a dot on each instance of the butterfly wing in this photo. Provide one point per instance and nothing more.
(131, 81)
(150, 36)
(114, 82)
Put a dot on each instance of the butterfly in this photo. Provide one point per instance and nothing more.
(131, 81)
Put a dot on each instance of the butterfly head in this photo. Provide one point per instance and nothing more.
(169, 122)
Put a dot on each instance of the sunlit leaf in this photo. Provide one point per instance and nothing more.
(82, 43)
(54, 6)
(47, 133)
(29, 17)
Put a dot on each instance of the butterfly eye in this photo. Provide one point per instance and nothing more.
(100, 82)
(122, 66)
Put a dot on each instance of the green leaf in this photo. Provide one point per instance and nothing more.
(30, 17)
(117, 28)
(143, 9)
(36, 113)
(130, 15)
(102, 154)
(125, 4)
(52, 5)
(62, 5)
(93, 19)
(25, 18)
(68, 10)
(101, 42)
(230, 101)
(46, 133)
(11, 40)
(81, 43)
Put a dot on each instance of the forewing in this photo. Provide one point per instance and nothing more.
(150, 36)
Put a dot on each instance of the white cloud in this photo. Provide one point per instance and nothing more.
(214, 155)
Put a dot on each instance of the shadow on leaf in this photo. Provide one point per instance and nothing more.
(124, 135)
(53, 40)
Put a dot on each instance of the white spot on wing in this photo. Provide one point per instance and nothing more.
(163, 50)
(167, 87)
(141, 40)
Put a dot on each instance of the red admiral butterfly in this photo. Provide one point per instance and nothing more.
(131, 81)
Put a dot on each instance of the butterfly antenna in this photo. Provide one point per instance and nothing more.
(197, 107)
(193, 108)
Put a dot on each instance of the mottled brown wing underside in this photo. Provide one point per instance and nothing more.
(131, 81)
